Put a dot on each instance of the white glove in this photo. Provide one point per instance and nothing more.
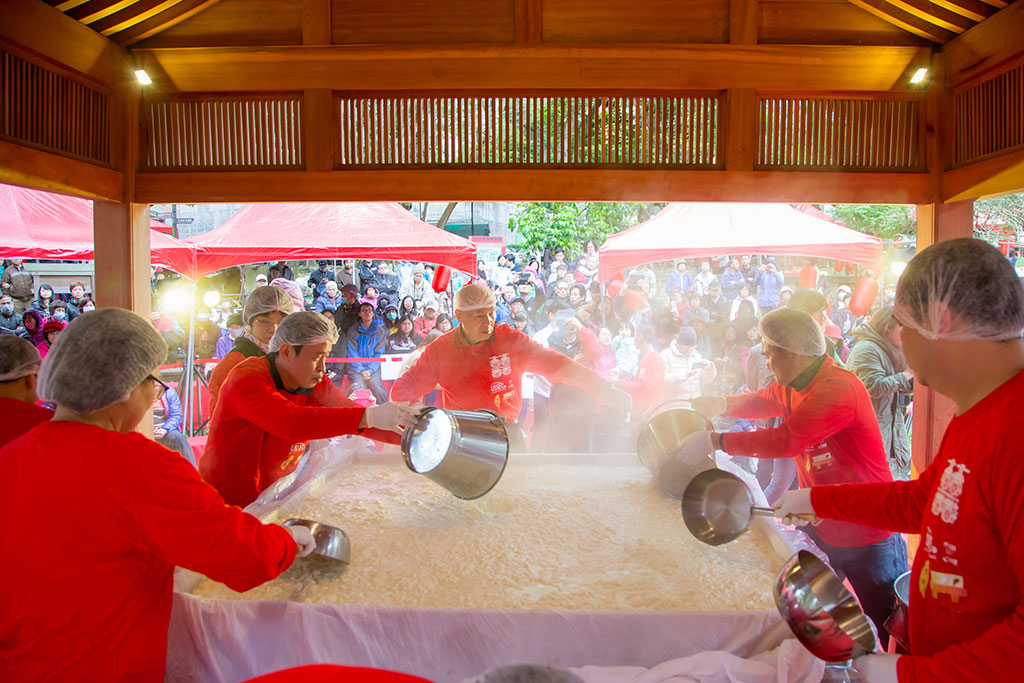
(709, 406)
(391, 416)
(793, 503)
(877, 668)
(303, 538)
(616, 398)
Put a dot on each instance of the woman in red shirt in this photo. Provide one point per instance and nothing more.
(90, 597)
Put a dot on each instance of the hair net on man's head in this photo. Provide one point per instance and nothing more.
(99, 359)
(304, 328)
(971, 280)
(793, 331)
(18, 358)
(474, 298)
(294, 291)
(266, 300)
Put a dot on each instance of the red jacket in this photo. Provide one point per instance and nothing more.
(966, 606)
(830, 429)
(648, 389)
(19, 417)
(488, 376)
(260, 431)
(86, 595)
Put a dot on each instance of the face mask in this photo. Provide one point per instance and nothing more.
(59, 315)
(86, 309)
(7, 309)
(235, 334)
(392, 317)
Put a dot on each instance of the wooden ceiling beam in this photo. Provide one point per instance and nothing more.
(975, 10)
(533, 184)
(466, 67)
(28, 167)
(989, 45)
(935, 14)
(905, 20)
(45, 31)
(130, 15)
(161, 21)
(93, 10)
(999, 175)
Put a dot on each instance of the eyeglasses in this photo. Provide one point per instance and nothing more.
(159, 387)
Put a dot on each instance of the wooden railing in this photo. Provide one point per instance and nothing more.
(988, 117)
(47, 109)
(879, 132)
(223, 132)
(510, 130)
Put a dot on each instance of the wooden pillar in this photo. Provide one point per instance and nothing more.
(121, 233)
(932, 411)
(320, 119)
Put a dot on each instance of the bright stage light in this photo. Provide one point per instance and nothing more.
(211, 298)
(175, 300)
(897, 267)
(919, 76)
(143, 77)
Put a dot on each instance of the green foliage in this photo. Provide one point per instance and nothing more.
(570, 224)
(888, 221)
(999, 218)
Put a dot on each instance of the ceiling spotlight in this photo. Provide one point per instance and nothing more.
(919, 76)
(144, 78)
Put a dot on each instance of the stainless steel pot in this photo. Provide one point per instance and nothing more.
(664, 429)
(898, 623)
(463, 451)
(822, 614)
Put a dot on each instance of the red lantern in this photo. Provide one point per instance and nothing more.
(441, 277)
(809, 277)
(840, 265)
(634, 299)
(850, 267)
(614, 287)
(863, 296)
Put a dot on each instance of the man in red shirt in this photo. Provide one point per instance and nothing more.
(830, 429)
(271, 406)
(19, 366)
(480, 366)
(961, 308)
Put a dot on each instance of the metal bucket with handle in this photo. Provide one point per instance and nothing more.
(718, 506)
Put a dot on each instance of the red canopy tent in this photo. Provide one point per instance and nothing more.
(329, 230)
(43, 225)
(694, 229)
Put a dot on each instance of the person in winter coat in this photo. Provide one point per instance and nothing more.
(77, 301)
(44, 297)
(404, 339)
(386, 283)
(627, 355)
(59, 311)
(33, 321)
(319, 278)
(679, 280)
(425, 323)
(390, 319)
(10, 321)
(235, 329)
(743, 294)
(51, 330)
(148, 511)
(367, 339)
(769, 282)
(348, 275)
(330, 300)
(685, 370)
(167, 418)
(877, 358)
(732, 280)
(17, 283)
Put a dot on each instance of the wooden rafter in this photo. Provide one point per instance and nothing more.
(933, 13)
(905, 20)
(975, 10)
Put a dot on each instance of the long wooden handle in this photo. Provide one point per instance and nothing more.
(770, 512)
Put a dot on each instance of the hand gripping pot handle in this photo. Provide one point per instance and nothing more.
(463, 451)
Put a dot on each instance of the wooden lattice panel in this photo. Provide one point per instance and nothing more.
(841, 133)
(989, 117)
(223, 132)
(516, 130)
(46, 109)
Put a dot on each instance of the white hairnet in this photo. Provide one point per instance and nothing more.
(793, 331)
(303, 328)
(266, 300)
(293, 290)
(965, 277)
(474, 298)
(99, 359)
(18, 358)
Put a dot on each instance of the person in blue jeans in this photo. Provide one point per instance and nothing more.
(167, 418)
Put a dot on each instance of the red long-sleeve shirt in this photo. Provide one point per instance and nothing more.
(966, 610)
(830, 429)
(259, 430)
(92, 523)
(19, 417)
(488, 376)
(648, 389)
